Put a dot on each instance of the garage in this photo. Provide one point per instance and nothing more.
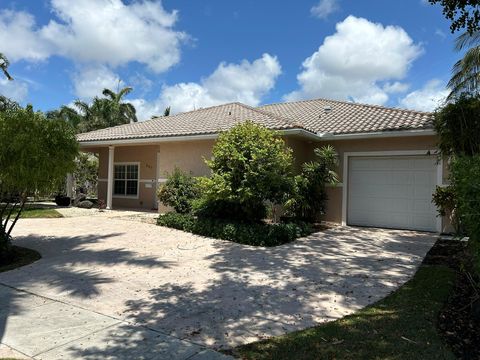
(392, 192)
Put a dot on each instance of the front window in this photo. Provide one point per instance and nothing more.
(126, 180)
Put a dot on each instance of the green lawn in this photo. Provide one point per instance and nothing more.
(35, 212)
(401, 326)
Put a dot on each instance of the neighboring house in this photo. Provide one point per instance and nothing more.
(388, 163)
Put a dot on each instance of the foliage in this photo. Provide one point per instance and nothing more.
(227, 209)
(401, 326)
(250, 165)
(444, 199)
(466, 72)
(86, 173)
(465, 175)
(4, 64)
(102, 112)
(259, 234)
(166, 112)
(36, 154)
(20, 256)
(6, 104)
(179, 191)
(458, 127)
(462, 13)
(309, 197)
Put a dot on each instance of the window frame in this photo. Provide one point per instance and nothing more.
(137, 163)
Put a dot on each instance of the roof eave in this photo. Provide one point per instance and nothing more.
(287, 132)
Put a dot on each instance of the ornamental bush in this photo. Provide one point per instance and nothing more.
(465, 175)
(179, 191)
(256, 234)
(250, 166)
(308, 199)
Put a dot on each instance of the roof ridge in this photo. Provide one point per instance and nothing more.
(351, 103)
(275, 116)
(194, 110)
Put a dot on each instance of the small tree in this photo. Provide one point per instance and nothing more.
(250, 165)
(308, 200)
(35, 156)
(179, 191)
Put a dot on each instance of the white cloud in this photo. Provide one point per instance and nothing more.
(356, 62)
(246, 82)
(428, 98)
(101, 31)
(89, 82)
(16, 90)
(324, 8)
(395, 87)
(19, 38)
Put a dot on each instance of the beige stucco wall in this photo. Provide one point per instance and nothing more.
(189, 156)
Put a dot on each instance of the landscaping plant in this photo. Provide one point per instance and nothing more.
(179, 191)
(35, 156)
(309, 196)
(250, 165)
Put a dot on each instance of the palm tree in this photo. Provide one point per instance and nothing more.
(466, 72)
(120, 112)
(4, 64)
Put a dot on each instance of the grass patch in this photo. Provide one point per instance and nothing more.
(401, 326)
(36, 213)
(20, 256)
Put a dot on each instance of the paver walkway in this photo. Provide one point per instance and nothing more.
(148, 281)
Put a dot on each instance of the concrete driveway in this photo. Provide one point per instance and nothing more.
(139, 282)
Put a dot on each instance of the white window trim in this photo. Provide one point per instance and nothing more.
(348, 155)
(138, 181)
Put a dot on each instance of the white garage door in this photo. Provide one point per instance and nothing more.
(392, 192)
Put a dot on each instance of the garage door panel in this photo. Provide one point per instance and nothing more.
(392, 192)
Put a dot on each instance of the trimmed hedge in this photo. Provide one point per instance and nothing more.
(255, 234)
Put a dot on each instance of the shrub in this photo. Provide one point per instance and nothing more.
(309, 196)
(250, 165)
(458, 127)
(257, 234)
(179, 191)
(465, 175)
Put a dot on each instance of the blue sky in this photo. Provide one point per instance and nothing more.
(190, 54)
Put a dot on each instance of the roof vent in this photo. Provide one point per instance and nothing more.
(229, 113)
(327, 109)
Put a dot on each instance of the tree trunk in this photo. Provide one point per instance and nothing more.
(24, 199)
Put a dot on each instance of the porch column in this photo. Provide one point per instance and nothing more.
(111, 153)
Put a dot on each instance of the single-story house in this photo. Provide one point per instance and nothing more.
(389, 167)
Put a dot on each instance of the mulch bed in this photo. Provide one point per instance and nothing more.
(459, 320)
(19, 256)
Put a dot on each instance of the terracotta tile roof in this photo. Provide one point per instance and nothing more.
(316, 116)
(203, 121)
(340, 117)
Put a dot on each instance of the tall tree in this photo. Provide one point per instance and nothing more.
(466, 71)
(120, 112)
(462, 14)
(4, 64)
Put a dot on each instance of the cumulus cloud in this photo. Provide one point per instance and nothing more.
(19, 38)
(90, 81)
(16, 90)
(324, 8)
(102, 31)
(357, 62)
(428, 98)
(246, 82)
